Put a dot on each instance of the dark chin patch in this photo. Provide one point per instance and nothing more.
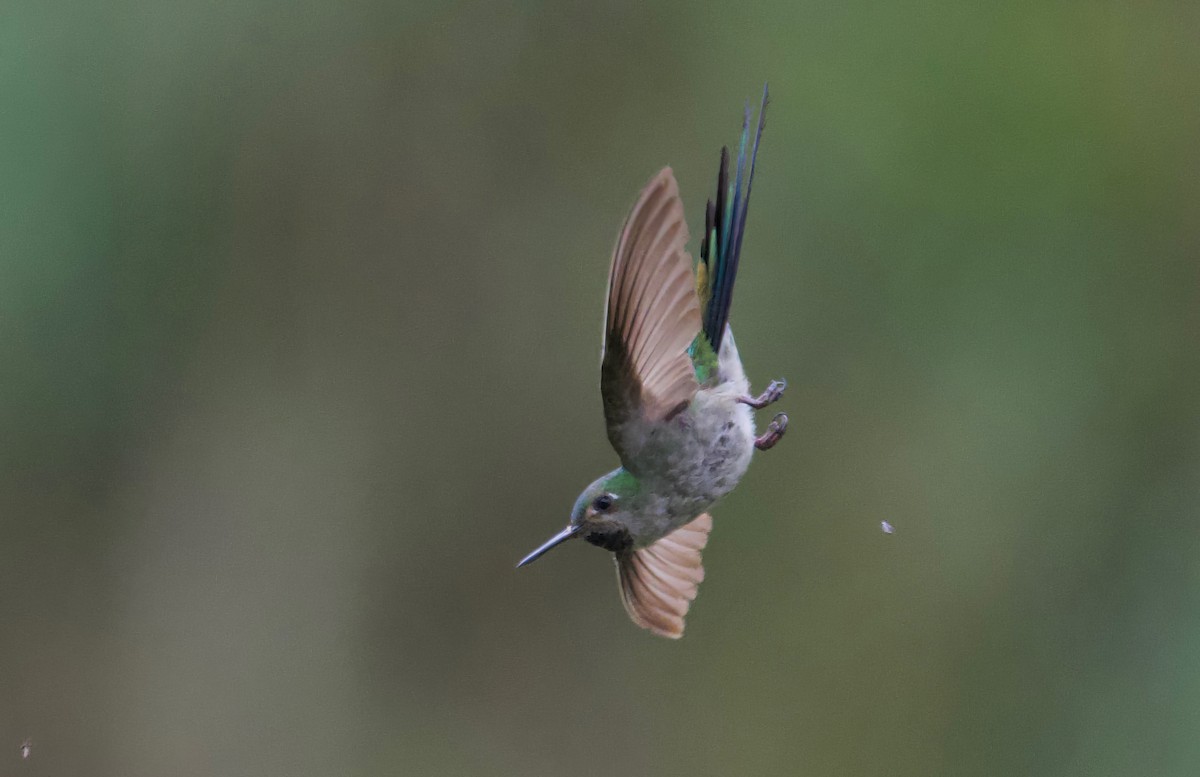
(613, 539)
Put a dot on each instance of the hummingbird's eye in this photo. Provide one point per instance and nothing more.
(602, 502)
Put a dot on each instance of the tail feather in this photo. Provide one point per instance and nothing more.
(725, 225)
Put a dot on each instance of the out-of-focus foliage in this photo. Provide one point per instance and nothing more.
(299, 329)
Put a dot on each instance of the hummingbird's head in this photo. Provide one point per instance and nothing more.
(601, 513)
(600, 516)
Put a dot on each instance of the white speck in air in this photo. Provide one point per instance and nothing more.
(887, 527)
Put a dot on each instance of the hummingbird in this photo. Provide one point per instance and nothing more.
(677, 403)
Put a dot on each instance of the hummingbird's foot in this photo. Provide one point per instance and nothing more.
(770, 396)
(774, 432)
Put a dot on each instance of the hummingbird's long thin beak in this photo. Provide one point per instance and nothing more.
(557, 539)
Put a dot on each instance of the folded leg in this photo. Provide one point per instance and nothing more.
(770, 396)
(774, 433)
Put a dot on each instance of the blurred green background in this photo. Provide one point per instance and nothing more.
(300, 308)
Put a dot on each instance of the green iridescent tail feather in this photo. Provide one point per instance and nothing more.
(724, 227)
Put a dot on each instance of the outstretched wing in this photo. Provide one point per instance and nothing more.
(646, 375)
(659, 582)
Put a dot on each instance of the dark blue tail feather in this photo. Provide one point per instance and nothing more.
(724, 227)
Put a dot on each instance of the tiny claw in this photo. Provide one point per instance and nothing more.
(770, 396)
(774, 433)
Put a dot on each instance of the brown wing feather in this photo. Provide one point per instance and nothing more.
(659, 582)
(653, 315)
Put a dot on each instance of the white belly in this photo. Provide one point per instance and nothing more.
(700, 455)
